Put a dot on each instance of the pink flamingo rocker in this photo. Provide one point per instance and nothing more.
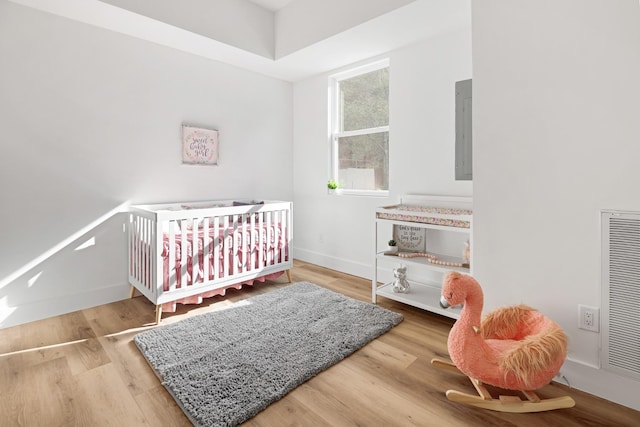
(514, 348)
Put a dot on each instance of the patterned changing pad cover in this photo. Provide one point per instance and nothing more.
(427, 215)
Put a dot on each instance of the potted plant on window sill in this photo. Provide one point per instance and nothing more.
(332, 186)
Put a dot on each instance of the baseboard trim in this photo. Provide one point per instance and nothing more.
(63, 304)
(334, 263)
(598, 382)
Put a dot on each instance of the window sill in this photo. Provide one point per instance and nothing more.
(359, 193)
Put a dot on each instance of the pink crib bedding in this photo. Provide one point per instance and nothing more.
(171, 307)
(259, 253)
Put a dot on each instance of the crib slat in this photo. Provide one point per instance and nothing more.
(184, 244)
(276, 239)
(243, 266)
(287, 235)
(134, 248)
(130, 240)
(141, 241)
(269, 240)
(150, 249)
(284, 227)
(261, 238)
(225, 248)
(141, 259)
(277, 227)
(145, 252)
(195, 237)
(252, 242)
(155, 249)
(205, 249)
(216, 248)
(139, 249)
(172, 256)
(234, 246)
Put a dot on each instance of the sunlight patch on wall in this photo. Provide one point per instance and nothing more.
(123, 207)
(5, 310)
(87, 244)
(33, 280)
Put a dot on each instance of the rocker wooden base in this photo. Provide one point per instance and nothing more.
(513, 404)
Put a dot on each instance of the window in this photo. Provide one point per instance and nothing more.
(360, 129)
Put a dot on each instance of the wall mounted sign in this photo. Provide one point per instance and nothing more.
(199, 146)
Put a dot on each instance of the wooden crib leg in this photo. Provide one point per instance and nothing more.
(289, 276)
(158, 313)
(132, 291)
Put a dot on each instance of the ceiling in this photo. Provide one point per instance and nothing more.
(272, 5)
(413, 21)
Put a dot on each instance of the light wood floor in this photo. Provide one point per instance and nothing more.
(84, 369)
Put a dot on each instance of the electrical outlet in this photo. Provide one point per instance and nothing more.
(589, 318)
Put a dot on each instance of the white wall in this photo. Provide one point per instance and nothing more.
(336, 231)
(304, 22)
(238, 23)
(90, 120)
(556, 132)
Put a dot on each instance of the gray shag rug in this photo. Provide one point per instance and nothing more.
(224, 367)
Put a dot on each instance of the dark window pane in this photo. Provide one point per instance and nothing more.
(363, 162)
(364, 101)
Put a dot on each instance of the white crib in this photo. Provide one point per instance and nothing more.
(182, 251)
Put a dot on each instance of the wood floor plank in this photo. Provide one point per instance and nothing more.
(333, 411)
(383, 400)
(287, 412)
(83, 369)
(105, 399)
(132, 313)
(68, 336)
(387, 355)
(130, 365)
(42, 393)
(12, 373)
(160, 409)
(356, 405)
(47, 332)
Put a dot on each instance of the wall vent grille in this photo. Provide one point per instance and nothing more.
(621, 292)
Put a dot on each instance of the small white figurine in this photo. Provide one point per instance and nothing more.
(400, 284)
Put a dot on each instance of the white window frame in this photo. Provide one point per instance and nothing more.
(335, 133)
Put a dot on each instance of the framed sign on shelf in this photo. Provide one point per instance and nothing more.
(410, 239)
(199, 145)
